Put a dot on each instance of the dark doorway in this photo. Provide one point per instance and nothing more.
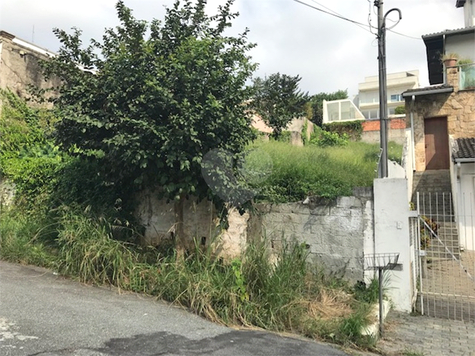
(436, 143)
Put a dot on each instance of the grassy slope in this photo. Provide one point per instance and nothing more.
(312, 170)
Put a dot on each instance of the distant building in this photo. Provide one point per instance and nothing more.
(19, 64)
(368, 92)
(468, 10)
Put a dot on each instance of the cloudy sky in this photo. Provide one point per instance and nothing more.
(327, 52)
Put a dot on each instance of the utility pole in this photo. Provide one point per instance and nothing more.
(383, 95)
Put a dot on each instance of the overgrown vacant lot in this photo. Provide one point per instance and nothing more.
(64, 217)
(323, 171)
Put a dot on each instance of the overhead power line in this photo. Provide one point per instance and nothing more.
(334, 14)
(359, 24)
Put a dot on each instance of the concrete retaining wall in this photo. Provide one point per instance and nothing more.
(334, 230)
(396, 131)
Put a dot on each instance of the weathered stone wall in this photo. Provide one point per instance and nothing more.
(158, 218)
(458, 107)
(19, 65)
(335, 230)
(7, 192)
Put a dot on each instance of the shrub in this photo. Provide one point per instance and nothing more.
(298, 172)
(22, 240)
(284, 136)
(353, 129)
(400, 110)
(326, 139)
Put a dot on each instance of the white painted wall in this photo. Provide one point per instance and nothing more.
(465, 185)
(340, 233)
(391, 224)
(395, 170)
(335, 231)
(463, 45)
(469, 13)
(408, 162)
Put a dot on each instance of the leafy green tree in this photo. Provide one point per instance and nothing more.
(315, 104)
(151, 99)
(278, 100)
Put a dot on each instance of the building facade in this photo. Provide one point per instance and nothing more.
(368, 92)
(19, 65)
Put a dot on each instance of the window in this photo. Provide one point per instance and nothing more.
(396, 97)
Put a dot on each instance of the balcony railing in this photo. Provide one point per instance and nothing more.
(467, 76)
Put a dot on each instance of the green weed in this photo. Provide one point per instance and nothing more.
(21, 240)
(283, 293)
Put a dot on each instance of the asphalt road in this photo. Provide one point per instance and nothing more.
(47, 315)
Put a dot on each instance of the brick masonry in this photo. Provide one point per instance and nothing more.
(394, 124)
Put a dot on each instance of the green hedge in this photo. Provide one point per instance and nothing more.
(353, 129)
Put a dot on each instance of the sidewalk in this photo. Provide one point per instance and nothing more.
(407, 335)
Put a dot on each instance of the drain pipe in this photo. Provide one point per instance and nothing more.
(413, 153)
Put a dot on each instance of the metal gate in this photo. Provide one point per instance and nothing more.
(444, 264)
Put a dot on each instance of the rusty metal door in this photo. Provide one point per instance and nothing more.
(436, 143)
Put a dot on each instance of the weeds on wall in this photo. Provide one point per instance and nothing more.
(352, 129)
(284, 295)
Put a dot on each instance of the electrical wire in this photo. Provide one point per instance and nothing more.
(341, 17)
(368, 27)
(363, 26)
(369, 18)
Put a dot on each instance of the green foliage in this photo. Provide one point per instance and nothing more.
(316, 104)
(285, 136)
(349, 331)
(367, 293)
(250, 290)
(22, 240)
(464, 61)
(44, 177)
(278, 100)
(88, 251)
(28, 156)
(400, 110)
(327, 172)
(394, 152)
(240, 285)
(327, 139)
(161, 96)
(353, 129)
